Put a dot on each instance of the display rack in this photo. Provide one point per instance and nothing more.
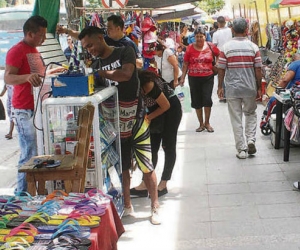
(60, 125)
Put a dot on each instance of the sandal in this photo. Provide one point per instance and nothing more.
(8, 137)
(200, 129)
(209, 129)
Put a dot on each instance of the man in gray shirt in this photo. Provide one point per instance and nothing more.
(240, 70)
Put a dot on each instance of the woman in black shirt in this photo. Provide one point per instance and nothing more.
(164, 114)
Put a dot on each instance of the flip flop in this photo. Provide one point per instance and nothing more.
(209, 129)
(297, 185)
(200, 129)
(70, 239)
(8, 137)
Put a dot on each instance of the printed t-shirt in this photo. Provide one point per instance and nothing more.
(127, 90)
(239, 57)
(158, 88)
(28, 60)
(200, 62)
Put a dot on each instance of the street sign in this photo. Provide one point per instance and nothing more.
(116, 4)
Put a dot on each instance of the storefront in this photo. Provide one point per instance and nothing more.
(262, 12)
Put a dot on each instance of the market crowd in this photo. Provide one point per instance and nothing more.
(147, 63)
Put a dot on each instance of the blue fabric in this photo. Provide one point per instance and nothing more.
(191, 38)
(294, 66)
(23, 119)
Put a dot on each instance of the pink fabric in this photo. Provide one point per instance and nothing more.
(105, 237)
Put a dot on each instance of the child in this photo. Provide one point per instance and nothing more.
(180, 55)
(9, 90)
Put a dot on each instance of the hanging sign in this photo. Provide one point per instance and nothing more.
(116, 4)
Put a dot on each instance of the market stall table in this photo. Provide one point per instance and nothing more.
(281, 106)
(105, 236)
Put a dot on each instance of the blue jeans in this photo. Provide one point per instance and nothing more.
(27, 141)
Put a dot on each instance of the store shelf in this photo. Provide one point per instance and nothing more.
(59, 123)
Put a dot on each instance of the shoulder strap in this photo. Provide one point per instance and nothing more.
(214, 61)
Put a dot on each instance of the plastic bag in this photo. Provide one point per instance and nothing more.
(2, 111)
(184, 96)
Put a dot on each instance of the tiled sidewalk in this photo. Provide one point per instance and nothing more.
(217, 201)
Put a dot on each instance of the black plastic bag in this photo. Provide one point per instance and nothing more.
(2, 111)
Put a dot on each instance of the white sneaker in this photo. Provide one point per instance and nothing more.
(242, 154)
(128, 211)
(251, 148)
(155, 220)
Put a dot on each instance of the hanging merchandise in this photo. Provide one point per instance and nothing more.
(149, 42)
(254, 31)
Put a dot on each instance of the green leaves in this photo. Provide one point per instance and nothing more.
(210, 6)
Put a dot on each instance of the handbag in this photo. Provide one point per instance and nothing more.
(2, 111)
(214, 68)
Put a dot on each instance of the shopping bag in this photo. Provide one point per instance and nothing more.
(184, 96)
(2, 111)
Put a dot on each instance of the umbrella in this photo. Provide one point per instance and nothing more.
(275, 4)
(290, 2)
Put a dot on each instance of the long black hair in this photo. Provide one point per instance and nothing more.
(146, 76)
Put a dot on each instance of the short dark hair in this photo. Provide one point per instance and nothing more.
(216, 25)
(200, 30)
(91, 30)
(117, 21)
(34, 23)
(239, 25)
(221, 19)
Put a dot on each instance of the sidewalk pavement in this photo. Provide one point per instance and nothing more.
(219, 202)
(9, 156)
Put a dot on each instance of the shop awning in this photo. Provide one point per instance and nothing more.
(275, 4)
(174, 15)
(175, 12)
(290, 2)
(156, 4)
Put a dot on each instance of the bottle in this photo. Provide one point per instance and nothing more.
(51, 132)
(91, 80)
(82, 67)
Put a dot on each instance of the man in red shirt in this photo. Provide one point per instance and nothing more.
(24, 67)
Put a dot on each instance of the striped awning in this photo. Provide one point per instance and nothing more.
(290, 2)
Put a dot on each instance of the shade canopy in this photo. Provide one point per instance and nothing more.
(275, 4)
(290, 2)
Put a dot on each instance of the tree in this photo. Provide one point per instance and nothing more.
(95, 3)
(211, 6)
(2, 3)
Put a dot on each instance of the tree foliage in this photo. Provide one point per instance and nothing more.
(94, 4)
(210, 6)
(3, 3)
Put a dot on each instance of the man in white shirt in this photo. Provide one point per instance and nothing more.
(223, 33)
(220, 37)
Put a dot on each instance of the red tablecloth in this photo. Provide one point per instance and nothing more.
(105, 237)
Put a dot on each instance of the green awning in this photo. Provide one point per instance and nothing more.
(50, 11)
(275, 4)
